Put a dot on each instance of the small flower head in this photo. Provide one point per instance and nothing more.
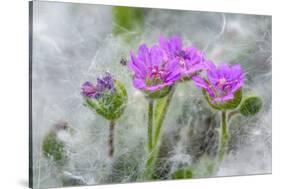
(104, 84)
(108, 97)
(152, 70)
(190, 60)
(222, 82)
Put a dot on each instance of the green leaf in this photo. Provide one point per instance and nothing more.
(251, 105)
(126, 19)
(160, 108)
(184, 173)
(54, 149)
(111, 105)
(205, 166)
(228, 105)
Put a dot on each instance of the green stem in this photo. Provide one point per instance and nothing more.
(111, 139)
(154, 144)
(150, 125)
(223, 145)
(149, 166)
(223, 136)
(159, 124)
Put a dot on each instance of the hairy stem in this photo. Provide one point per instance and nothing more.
(162, 116)
(223, 145)
(150, 125)
(149, 166)
(155, 136)
(111, 139)
(223, 136)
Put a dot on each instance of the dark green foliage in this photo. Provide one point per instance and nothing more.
(184, 173)
(54, 149)
(251, 106)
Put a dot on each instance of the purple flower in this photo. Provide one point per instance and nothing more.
(88, 89)
(191, 60)
(105, 83)
(222, 81)
(152, 69)
(172, 47)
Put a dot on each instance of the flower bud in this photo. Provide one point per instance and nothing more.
(108, 97)
(251, 106)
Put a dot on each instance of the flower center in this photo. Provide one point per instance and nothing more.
(156, 73)
(181, 54)
(222, 81)
(223, 87)
(155, 76)
(182, 62)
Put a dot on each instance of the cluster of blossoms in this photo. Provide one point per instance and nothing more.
(104, 84)
(169, 61)
(164, 64)
(156, 70)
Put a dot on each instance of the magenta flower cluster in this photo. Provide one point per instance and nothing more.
(165, 63)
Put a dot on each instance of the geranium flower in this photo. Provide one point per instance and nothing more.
(190, 59)
(152, 69)
(222, 81)
(105, 83)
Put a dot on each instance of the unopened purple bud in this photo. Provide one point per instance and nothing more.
(105, 83)
(88, 89)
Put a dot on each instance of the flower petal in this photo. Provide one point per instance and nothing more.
(157, 87)
(138, 83)
(163, 43)
(176, 43)
(222, 99)
(143, 54)
(201, 83)
(136, 66)
(156, 56)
